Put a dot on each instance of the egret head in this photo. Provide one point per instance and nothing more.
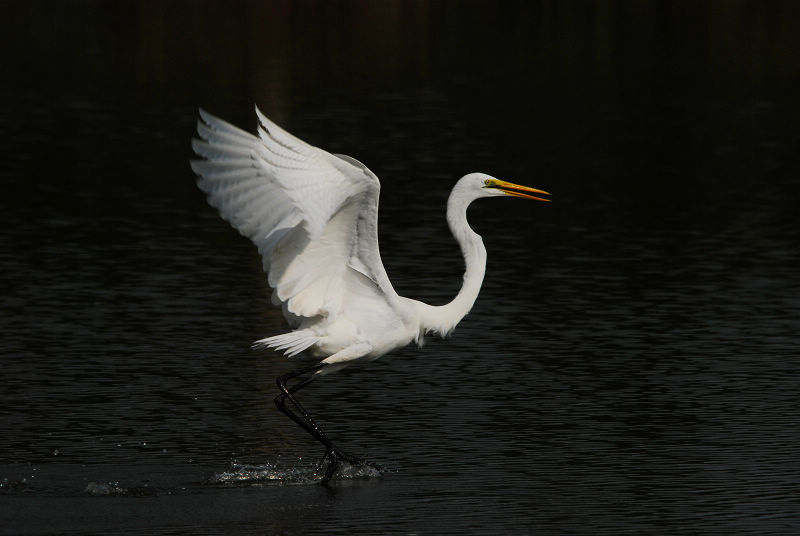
(483, 185)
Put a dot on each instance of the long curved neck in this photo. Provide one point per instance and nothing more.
(443, 319)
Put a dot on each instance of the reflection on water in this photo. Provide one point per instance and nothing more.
(630, 366)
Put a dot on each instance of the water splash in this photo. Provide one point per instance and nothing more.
(241, 474)
(8, 486)
(105, 488)
(364, 470)
(100, 489)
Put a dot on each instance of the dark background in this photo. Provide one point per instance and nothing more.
(630, 366)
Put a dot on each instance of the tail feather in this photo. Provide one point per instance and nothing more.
(291, 343)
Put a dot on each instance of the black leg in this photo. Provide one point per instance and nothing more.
(332, 453)
(307, 423)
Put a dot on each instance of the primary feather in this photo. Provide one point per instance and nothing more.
(313, 217)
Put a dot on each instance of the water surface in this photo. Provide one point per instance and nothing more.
(630, 366)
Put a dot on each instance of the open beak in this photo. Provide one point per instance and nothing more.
(509, 188)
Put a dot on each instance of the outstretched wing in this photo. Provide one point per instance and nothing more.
(312, 215)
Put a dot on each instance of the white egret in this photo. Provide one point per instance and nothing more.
(314, 218)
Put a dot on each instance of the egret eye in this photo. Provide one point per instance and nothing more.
(487, 183)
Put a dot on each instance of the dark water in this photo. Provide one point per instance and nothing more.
(630, 367)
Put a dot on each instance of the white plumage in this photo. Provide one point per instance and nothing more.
(313, 217)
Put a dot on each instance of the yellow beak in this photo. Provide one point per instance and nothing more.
(509, 188)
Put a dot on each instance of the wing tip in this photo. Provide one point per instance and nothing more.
(197, 166)
(263, 121)
(204, 115)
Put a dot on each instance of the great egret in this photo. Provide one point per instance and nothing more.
(314, 218)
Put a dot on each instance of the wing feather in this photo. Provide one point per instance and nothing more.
(312, 215)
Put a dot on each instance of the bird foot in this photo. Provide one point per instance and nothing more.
(350, 465)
